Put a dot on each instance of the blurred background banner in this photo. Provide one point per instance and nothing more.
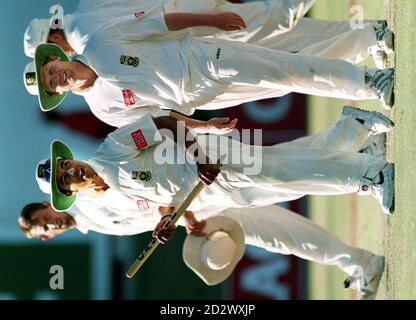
(94, 265)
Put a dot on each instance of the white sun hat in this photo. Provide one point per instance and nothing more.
(36, 33)
(214, 257)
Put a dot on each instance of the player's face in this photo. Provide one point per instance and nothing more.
(47, 223)
(73, 175)
(59, 76)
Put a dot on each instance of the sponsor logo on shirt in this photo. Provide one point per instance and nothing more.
(128, 96)
(143, 204)
(139, 139)
(129, 61)
(218, 53)
(142, 175)
(139, 14)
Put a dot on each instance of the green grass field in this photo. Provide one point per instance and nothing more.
(358, 220)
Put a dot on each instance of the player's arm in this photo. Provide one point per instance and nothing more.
(228, 21)
(213, 126)
(207, 171)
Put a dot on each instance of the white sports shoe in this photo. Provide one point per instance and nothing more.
(375, 122)
(381, 83)
(381, 187)
(375, 146)
(385, 37)
(366, 282)
(385, 43)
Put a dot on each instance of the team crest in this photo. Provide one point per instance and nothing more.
(129, 61)
(142, 175)
(31, 79)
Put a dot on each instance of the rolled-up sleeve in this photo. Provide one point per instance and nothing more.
(140, 23)
(137, 135)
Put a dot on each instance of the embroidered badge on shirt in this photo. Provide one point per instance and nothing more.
(128, 96)
(129, 61)
(142, 175)
(139, 14)
(143, 204)
(139, 139)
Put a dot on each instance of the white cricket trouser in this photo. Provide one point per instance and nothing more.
(318, 165)
(279, 25)
(326, 38)
(263, 18)
(280, 230)
(226, 73)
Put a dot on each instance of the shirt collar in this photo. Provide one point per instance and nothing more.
(97, 168)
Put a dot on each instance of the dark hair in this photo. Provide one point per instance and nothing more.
(25, 218)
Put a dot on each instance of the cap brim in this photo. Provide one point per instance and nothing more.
(60, 202)
(48, 102)
(193, 244)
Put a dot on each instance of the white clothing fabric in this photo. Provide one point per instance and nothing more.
(286, 172)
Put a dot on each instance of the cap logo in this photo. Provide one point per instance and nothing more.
(44, 171)
(31, 79)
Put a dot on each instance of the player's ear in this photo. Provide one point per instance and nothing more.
(68, 193)
(46, 204)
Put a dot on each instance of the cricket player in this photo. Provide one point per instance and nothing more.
(264, 19)
(272, 228)
(274, 24)
(119, 82)
(348, 134)
(135, 170)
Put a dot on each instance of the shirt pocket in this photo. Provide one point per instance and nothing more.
(222, 57)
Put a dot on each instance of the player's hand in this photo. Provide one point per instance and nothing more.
(220, 125)
(229, 21)
(193, 226)
(208, 172)
(163, 235)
